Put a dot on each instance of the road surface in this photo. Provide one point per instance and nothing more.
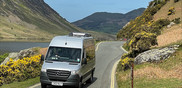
(107, 53)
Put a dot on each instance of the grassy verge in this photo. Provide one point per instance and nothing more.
(23, 84)
(164, 74)
(151, 83)
(126, 47)
(2, 57)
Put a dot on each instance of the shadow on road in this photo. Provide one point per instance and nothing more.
(88, 84)
(85, 85)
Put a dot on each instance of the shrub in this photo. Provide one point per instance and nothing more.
(176, 20)
(162, 22)
(157, 26)
(20, 70)
(176, 1)
(171, 11)
(125, 62)
(141, 42)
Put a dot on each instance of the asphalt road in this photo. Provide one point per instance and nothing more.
(107, 54)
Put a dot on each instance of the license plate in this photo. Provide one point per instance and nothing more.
(57, 83)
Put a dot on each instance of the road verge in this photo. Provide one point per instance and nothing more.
(114, 70)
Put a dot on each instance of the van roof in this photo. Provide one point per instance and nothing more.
(68, 41)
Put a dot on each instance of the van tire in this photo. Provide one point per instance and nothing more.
(43, 85)
(90, 80)
(80, 85)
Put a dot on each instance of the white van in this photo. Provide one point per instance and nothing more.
(70, 61)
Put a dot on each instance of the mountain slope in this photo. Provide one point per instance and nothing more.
(107, 22)
(162, 18)
(30, 19)
(33, 19)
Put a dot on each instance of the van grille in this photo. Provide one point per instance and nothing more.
(58, 75)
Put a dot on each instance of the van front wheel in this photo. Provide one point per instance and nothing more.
(43, 85)
(80, 85)
(91, 78)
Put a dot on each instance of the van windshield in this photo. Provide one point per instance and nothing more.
(64, 54)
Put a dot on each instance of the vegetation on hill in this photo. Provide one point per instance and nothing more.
(107, 22)
(145, 22)
(160, 23)
(146, 27)
(33, 19)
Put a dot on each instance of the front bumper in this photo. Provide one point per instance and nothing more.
(73, 80)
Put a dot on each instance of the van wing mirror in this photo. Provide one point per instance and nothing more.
(42, 57)
(84, 61)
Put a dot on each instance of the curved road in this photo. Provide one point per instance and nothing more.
(107, 53)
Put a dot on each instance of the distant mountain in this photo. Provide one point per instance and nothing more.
(107, 22)
(32, 19)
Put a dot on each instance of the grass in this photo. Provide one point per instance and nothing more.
(23, 84)
(126, 47)
(151, 83)
(2, 57)
(168, 75)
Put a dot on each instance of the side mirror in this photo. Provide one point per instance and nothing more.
(84, 61)
(42, 57)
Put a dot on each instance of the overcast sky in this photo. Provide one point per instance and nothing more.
(73, 10)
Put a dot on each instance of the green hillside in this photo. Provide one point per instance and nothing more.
(154, 18)
(158, 27)
(33, 19)
(107, 22)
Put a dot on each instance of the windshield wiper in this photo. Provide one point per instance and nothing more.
(48, 61)
(72, 61)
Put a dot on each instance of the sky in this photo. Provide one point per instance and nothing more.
(73, 10)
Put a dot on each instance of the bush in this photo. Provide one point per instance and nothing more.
(20, 70)
(176, 1)
(176, 20)
(162, 22)
(125, 62)
(142, 42)
(171, 11)
(157, 26)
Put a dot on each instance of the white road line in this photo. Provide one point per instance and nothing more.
(114, 70)
(123, 49)
(35, 85)
(97, 46)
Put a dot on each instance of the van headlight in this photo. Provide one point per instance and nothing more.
(43, 70)
(74, 72)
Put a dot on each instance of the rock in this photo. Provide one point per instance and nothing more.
(171, 24)
(23, 53)
(155, 55)
(11, 55)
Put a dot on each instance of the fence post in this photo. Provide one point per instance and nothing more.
(132, 74)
